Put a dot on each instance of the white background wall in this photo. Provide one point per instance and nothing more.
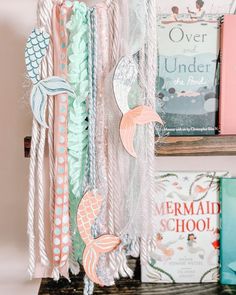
(17, 18)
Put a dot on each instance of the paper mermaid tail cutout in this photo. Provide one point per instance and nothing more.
(88, 211)
(125, 75)
(138, 116)
(48, 87)
(91, 255)
(35, 51)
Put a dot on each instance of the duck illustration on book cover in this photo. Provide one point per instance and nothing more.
(187, 245)
(188, 62)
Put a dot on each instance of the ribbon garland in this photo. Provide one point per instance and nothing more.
(78, 77)
(61, 232)
(79, 190)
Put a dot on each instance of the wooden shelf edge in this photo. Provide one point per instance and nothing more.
(183, 146)
(217, 145)
(27, 145)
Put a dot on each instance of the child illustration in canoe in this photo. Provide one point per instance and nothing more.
(199, 13)
(175, 14)
(195, 15)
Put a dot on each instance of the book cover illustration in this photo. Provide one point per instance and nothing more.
(228, 241)
(188, 56)
(186, 247)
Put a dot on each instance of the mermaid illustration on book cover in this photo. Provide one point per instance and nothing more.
(187, 244)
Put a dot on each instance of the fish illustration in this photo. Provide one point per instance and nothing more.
(199, 189)
(88, 211)
(125, 75)
(35, 51)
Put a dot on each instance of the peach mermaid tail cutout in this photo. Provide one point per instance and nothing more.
(91, 255)
(88, 211)
(140, 115)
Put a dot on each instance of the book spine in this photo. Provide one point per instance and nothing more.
(227, 102)
(227, 238)
(221, 228)
(221, 105)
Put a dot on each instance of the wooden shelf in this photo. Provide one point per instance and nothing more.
(27, 144)
(184, 146)
(196, 146)
(132, 287)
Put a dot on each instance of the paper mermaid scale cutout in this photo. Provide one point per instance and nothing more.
(125, 75)
(35, 51)
(88, 211)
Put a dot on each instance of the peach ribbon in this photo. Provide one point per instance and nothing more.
(61, 227)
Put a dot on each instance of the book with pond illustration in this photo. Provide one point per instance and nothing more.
(186, 246)
(188, 63)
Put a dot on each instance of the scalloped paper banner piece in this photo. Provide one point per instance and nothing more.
(124, 77)
(88, 211)
(35, 51)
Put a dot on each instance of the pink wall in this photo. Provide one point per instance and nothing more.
(16, 21)
(17, 18)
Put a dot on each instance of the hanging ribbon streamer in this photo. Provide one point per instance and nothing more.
(91, 203)
(61, 228)
(77, 121)
(88, 200)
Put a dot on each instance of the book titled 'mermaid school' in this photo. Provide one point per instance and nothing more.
(186, 246)
(188, 78)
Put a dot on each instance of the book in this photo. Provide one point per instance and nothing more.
(187, 82)
(227, 120)
(188, 62)
(186, 246)
(228, 222)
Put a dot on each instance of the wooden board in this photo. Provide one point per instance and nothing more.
(133, 287)
(196, 146)
(27, 144)
(184, 146)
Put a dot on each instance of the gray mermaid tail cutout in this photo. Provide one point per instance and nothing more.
(35, 51)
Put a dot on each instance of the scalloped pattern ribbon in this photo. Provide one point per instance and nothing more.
(78, 77)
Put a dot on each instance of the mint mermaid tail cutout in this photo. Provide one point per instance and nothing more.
(48, 87)
(35, 51)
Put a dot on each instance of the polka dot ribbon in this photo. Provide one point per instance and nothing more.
(61, 227)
